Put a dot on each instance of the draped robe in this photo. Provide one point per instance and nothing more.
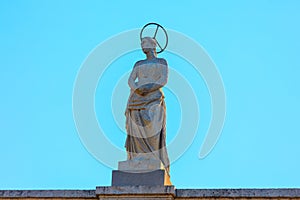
(146, 111)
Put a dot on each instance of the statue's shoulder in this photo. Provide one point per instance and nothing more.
(140, 62)
(157, 60)
(162, 61)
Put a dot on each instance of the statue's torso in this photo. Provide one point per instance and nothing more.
(149, 71)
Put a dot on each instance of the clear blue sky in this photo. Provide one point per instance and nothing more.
(255, 45)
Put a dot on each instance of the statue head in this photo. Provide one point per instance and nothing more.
(148, 45)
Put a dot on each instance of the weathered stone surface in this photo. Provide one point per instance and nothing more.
(140, 165)
(47, 193)
(136, 192)
(153, 178)
(235, 193)
(108, 190)
(151, 192)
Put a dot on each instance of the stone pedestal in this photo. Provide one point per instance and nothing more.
(141, 171)
(136, 193)
(153, 178)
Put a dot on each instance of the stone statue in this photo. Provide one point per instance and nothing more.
(146, 110)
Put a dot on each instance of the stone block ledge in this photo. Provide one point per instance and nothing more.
(47, 194)
(280, 193)
(119, 190)
(235, 193)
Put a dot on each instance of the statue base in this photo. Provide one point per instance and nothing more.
(152, 178)
(141, 171)
(140, 164)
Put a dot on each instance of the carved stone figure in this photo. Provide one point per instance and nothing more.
(146, 110)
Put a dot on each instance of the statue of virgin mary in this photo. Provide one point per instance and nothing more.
(146, 109)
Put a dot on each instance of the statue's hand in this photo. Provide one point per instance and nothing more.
(142, 90)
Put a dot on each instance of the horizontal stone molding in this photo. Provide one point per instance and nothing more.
(235, 193)
(47, 194)
(111, 190)
(280, 193)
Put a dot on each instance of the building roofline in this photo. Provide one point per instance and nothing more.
(179, 193)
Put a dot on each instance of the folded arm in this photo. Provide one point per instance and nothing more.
(131, 81)
(163, 79)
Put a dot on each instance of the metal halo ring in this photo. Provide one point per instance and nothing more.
(154, 37)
